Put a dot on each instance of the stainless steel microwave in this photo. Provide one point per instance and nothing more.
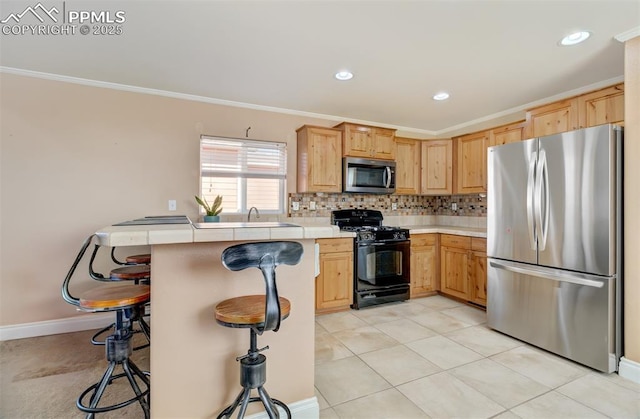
(368, 176)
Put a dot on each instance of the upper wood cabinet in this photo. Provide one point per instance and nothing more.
(436, 167)
(407, 166)
(470, 162)
(368, 142)
(511, 133)
(601, 107)
(319, 159)
(561, 116)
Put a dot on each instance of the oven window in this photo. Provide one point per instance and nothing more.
(383, 265)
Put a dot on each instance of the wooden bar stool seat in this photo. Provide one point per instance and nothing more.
(111, 297)
(247, 311)
(127, 301)
(143, 259)
(140, 259)
(137, 273)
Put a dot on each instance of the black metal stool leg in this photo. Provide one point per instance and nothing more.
(228, 411)
(271, 409)
(128, 366)
(99, 390)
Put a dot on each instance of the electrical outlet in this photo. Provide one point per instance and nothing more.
(296, 206)
(394, 206)
(172, 205)
(454, 206)
(312, 205)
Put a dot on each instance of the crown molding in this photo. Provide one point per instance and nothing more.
(627, 35)
(410, 130)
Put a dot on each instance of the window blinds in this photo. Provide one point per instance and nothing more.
(245, 172)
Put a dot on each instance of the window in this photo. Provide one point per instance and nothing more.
(246, 173)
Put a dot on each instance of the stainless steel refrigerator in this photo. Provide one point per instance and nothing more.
(554, 243)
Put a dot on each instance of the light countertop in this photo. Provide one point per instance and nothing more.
(136, 235)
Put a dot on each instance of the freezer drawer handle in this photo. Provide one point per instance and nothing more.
(530, 200)
(558, 276)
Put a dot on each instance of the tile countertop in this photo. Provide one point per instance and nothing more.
(444, 229)
(137, 235)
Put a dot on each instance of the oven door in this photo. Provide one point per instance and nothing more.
(382, 265)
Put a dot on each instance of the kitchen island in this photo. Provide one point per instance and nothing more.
(194, 373)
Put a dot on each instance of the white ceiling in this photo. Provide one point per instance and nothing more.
(493, 57)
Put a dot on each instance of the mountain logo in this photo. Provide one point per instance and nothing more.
(39, 11)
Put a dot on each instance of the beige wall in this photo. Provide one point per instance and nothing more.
(632, 199)
(76, 158)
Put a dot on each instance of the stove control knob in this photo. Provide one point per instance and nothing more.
(399, 235)
(365, 235)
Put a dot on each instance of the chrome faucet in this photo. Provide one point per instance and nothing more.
(249, 215)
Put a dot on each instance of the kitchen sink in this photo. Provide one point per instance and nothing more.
(256, 224)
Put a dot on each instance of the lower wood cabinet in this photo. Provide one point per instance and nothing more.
(424, 265)
(334, 285)
(478, 271)
(463, 272)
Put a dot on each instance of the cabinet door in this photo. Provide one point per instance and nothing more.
(407, 166)
(601, 107)
(334, 285)
(436, 168)
(471, 163)
(454, 268)
(561, 116)
(319, 160)
(424, 265)
(478, 271)
(357, 141)
(508, 134)
(383, 144)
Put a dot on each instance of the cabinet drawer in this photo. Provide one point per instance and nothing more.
(450, 240)
(423, 239)
(335, 245)
(479, 244)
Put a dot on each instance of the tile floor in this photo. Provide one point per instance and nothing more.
(434, 357)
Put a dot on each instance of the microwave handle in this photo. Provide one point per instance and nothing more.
(387, 182)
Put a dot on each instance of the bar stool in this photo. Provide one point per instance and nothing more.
(139, 274)
(258, 313)
(127, 302)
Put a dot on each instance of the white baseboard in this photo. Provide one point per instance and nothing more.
(629, 369)
(84, 321)
(303, 409)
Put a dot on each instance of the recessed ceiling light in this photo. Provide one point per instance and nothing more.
(575, 38)
(441, 96)
(344, 75)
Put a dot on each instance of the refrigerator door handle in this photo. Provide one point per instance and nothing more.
(530, 200)
(548, 273)
(542, 202)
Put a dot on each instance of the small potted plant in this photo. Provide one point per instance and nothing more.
(212, 210)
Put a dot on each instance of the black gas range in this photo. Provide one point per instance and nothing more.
(381, 257)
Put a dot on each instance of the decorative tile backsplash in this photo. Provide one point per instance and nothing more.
(467, 205)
